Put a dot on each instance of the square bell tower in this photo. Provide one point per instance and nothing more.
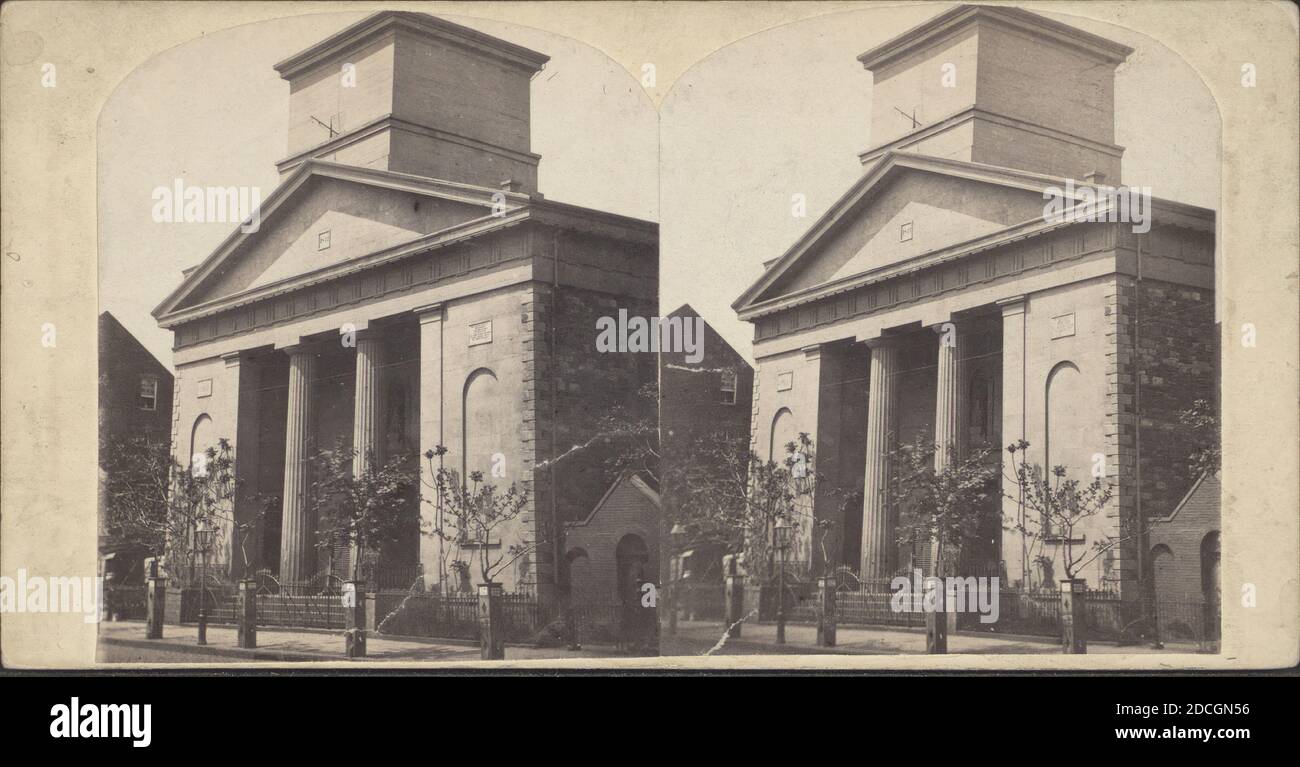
(999, 86)
(413, 93)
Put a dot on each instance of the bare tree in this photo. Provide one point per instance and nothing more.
(944, 507)
(736, 498)
(364, 510)
(473, 515)
(156, 504)
(1054, 509)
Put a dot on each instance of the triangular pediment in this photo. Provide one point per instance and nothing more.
(324, 216)
(905, 207)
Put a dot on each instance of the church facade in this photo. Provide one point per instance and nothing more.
(408, 286)
(940, 299)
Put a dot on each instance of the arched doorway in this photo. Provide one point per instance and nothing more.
(577, 576)
(632, 560)
(1210, 586)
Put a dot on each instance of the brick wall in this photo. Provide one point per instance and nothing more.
(627, 510)
(1176, 543)
(1164, 357)
(1176, 363)
(572, 388)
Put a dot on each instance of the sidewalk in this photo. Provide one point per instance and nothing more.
(124, 642)
(698, 637)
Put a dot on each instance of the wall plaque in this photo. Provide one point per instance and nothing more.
(480, 333)
(1063, 325)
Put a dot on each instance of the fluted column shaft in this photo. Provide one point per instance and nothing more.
(296, 533)
(947, 397)
(365, 402)
(365, 412)
(876, 546)
(946, 407)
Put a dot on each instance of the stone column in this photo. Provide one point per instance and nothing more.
(295, 525)
(948, 387)
(365, 414)
(876, 546)
(431, 434)
(1014, 383)
(947, 396)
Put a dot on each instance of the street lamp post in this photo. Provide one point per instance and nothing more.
(202, 540)
(781, 533)
(678, 537)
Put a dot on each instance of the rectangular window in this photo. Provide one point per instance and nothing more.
(728, 387)
(148, 393)
(905, 232)
(323, 240)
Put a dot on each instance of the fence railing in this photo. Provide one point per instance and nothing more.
(871, 602)
(125, 601)
(524, 619)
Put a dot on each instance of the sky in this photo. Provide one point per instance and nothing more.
(781, 112)
(214, 112)
(787, 111)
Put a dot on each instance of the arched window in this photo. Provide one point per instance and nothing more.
(783, 432)
(1064, 422)
(479, 418)
(202, 437)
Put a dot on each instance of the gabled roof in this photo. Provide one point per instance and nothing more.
(629, 478)
(519, 207)
(312, 168)
(112, 330)
(894, 162)
(1213, 478)
(686, 310)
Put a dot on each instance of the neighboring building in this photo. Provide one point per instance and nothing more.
(409, 286)
(1086, 338)
(135, 403)
(701, 404)
(1184, 546)
(615, 548)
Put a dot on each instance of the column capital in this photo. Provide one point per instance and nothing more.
(1012, 305)
(813, 352)
(429, 312)
(294, 345)
(232, 359)
(884, 342)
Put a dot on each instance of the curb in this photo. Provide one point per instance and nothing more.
(228, 652)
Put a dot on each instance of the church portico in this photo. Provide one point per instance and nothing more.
(938, 300)
(386, 311)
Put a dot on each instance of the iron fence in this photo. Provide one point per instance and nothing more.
(125, 601)
(290, 610)
(701, 601)
(867, 602)
(524, 619)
